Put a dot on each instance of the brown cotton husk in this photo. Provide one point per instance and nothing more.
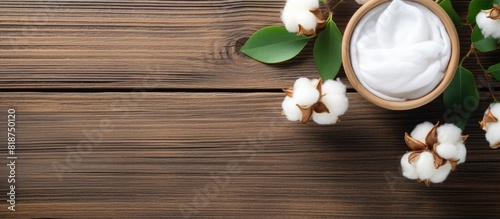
(495, 146)
(432, 138)
(318, 14)
(302, 30)
(427, 182)
(438, 161)
(414, 144)
(453, 164)
(288, 91)
(464, 138)
(414, 156)
(318, 86)
(487, 118)
(494, 13)
(306, 114)
(320, 107)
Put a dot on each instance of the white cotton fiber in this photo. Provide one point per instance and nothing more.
(304, 93)
(424, 166)
(288, 16)
(333, 87)
(449, 133)
(301, 82)
(307, 20)
(334, 97)
(421, 130)
(408, 168)
(493, 133)
(313, 82)
(447, 151)
(290, 109)
(441, 173)
(495, 110)
(337, 104)
(461, 153)
(488, 26)
(324, 118)
(303, 4)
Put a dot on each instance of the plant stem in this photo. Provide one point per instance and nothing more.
(338, 3)
(466, 55)
(487, 76)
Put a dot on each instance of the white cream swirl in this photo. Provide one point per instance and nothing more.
(400, 50)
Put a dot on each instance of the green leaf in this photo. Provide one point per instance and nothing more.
(274, 44)
(448, 7)
(495, 71)
(322, 1)
(461, 97)
(475, 6)
(328, 51)
(483, 44)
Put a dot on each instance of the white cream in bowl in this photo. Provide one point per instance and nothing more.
(400, 50)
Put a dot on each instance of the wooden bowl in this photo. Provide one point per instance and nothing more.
(408, 104)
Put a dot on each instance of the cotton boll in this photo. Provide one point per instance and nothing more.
(297, 12)
(361, 2)
(421, 131)
(488, 26)
(461, 153)
(449, 133)
(441, 173)
(493, 133)
(290, 109)
(324, 118)
(304, 93)
(424, 165)
(333, 87)
(408, 168)
(447, 151)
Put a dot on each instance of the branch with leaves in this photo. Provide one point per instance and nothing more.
(461, 98)
(275, 44)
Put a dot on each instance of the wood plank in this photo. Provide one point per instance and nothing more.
(179, 44)
(146, 155)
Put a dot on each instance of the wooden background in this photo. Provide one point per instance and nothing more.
(142, 109)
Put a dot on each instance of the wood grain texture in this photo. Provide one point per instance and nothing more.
(228, 155)
(178, 44)
(196, 130)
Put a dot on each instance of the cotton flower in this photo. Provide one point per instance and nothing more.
(436, 150)
(489, 22)
(323, 102)
(491, 125)
(301, 16)
(361, 2)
